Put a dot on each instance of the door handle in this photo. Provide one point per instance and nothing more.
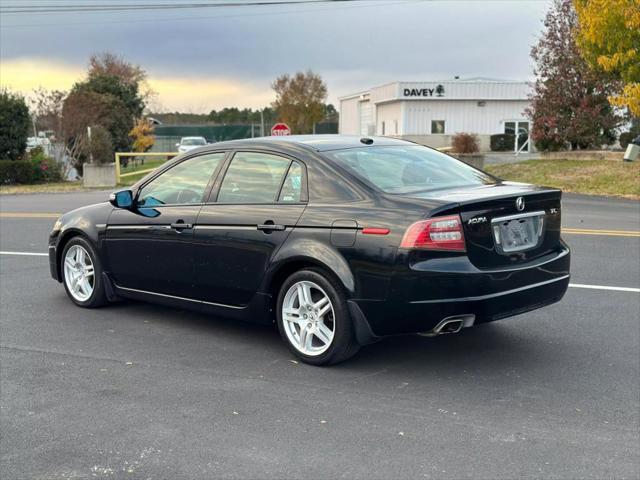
(181, 226)
(270, 226)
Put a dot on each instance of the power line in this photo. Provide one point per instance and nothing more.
(90, 8)
(155, 6)
(214, 17)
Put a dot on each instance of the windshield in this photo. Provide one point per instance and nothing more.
(193, 141)
(407, 169)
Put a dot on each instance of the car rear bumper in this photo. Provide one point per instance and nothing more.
(423, 295)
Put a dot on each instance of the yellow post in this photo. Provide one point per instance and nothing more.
(117, 168)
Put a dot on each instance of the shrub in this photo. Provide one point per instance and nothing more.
(45, 169)
(100, 145)
(465, 143)
(14, 125)
(35, 167)
(16, 171)
(503, 142)
(625, 139)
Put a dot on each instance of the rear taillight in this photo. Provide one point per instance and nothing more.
(439, 233)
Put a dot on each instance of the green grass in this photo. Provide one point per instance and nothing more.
(593, 177)
(136, 166)
(53, 187)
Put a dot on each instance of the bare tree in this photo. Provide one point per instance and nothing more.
(46, 108)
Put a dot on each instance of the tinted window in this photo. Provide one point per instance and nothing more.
(183, 184)
(408, 169)
(253, 178)
(292, 186)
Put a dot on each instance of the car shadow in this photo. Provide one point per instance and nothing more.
(490, 347)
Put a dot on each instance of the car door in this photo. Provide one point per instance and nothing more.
(252, 211)
(150, 246)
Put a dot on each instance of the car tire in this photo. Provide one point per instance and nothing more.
(82, 274)
(314, 320)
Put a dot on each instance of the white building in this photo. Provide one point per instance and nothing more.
(432, 112)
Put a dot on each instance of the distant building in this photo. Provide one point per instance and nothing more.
(430, 113)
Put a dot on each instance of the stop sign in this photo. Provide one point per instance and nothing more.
(280, 130)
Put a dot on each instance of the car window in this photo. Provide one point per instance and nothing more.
(253, 178)
(292, 186)
(408, 169)
(183, 184)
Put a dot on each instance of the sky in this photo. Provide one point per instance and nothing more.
(210, 58)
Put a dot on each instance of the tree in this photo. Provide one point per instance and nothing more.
(142, 135)
(111, 85)
(107, 64)
(84, 108)
(14, 125)
(46, 108)
(570, 100)
(609, 39)
(300, 100)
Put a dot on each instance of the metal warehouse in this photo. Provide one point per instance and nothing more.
(432, 112)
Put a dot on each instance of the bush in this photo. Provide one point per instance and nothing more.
(465, 143)
(14, 125)
(36, 167)
(101, 146)
(16, 171)
(45, 169)
(503, 142)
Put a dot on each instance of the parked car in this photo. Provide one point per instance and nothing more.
(338, 240)
(189, 143)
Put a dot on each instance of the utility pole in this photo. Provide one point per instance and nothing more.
(262, 122)
(90, 149)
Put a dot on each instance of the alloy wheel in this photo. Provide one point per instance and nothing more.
(308, 318)
(79, 273)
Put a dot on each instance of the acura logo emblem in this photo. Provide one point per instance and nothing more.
(520, 204)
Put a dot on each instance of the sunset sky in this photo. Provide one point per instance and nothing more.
(203, 59)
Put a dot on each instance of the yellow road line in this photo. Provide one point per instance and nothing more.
(29, 215)
(610, 233)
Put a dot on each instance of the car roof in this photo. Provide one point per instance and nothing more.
(318, 143)
(189, 138)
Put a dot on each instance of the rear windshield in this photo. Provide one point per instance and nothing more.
(408, 169)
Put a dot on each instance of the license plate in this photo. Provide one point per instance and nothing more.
(518, 232)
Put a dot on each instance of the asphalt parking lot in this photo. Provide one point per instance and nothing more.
(141, 391)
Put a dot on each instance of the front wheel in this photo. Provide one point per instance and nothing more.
(314, 320)
(82, 274)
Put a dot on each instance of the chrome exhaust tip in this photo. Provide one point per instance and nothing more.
(451, 325)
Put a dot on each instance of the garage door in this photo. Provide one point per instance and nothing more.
(366, 118)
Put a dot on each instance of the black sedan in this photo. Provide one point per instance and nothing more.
(338, 240)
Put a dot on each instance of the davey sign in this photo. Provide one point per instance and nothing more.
(280, 130)
(437, 91)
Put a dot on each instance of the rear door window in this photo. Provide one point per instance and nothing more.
(254, 177)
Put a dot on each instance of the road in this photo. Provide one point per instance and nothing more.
(139, 391)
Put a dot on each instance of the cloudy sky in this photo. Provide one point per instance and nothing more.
(209, 58)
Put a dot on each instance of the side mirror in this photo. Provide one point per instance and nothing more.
(121, 199)
(177, 144)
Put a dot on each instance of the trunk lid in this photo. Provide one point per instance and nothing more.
(505, 224)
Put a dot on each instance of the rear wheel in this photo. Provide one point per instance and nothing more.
(314, 320)
(82, 274)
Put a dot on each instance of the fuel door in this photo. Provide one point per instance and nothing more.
(343, 233)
